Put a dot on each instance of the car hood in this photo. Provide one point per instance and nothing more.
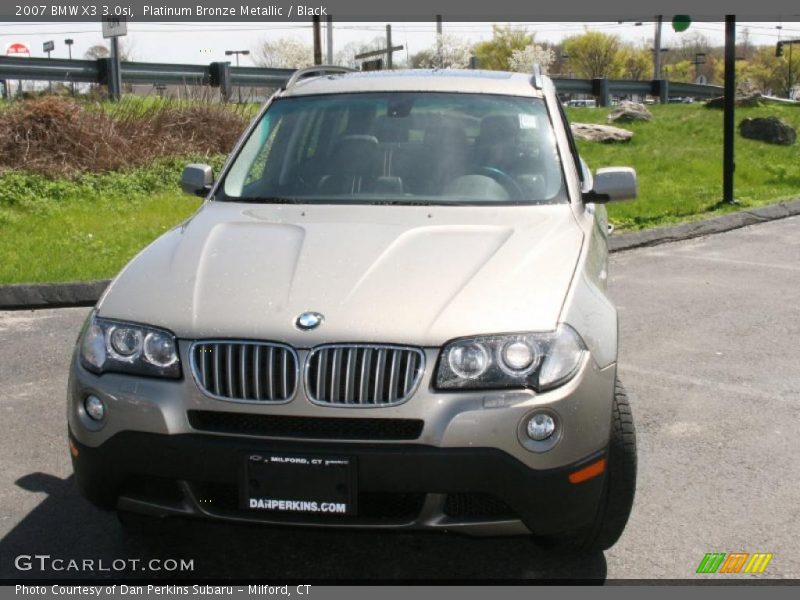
(405, 274)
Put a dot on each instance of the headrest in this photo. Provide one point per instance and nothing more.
(355, 154)
(499, 128)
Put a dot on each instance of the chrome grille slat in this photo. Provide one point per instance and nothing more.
(270, 363)
(258, 372)
(362, 375)
(243, 370)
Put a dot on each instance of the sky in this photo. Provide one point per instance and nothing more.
(201, 43)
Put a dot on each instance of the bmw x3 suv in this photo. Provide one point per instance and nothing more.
(390, 312)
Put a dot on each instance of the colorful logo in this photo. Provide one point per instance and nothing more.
(734, 562)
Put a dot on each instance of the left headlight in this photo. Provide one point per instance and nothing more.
(115, 346)
(524, 360)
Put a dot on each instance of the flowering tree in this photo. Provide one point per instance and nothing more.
(522, 61)
(284, 53)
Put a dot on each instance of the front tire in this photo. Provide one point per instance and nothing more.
(620, 486)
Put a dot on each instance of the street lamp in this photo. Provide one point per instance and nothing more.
(237, 53)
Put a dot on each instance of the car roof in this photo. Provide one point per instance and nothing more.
(418, 80)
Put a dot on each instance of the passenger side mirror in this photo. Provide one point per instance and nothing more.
(197, 179)
(611, 184)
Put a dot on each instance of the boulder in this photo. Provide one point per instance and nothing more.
(592, 132)
(771, 130)
(627, 112)
(745, 100)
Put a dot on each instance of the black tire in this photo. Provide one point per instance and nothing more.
(620, 487)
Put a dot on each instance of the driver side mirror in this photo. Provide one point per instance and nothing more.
(197, 179)
(611, 184)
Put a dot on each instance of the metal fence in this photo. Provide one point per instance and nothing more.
(223, 76)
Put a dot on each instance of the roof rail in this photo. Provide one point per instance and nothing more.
(315, 70)
(536, 79)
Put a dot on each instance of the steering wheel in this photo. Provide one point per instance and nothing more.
(509, 184)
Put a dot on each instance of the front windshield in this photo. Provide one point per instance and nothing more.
(405, 148)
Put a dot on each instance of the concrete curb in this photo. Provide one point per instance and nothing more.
(86, 293)
(51, 295)
(685, 231)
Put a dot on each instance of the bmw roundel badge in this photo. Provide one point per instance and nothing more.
(309, 320)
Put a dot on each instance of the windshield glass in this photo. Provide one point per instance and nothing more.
(407, 147)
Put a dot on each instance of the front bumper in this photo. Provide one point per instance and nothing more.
(480, 491)
(466, 469)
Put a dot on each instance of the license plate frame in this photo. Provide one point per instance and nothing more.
(299, 484)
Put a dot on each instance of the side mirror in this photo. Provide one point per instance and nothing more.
(613, 183)
(197, 179)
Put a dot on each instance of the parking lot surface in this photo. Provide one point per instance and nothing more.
(709, 354)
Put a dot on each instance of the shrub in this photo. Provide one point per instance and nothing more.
(60, 137)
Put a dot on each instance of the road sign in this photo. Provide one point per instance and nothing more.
(48, 46)
(17, 50)
(114, 27)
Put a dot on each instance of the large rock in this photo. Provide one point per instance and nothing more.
(627, 112)
(771, 130)
(743, 100)
(592, 132)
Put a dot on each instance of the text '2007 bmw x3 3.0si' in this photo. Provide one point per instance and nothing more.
(390, 311)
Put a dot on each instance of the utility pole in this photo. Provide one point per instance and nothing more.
(439, 57)
(389, 47)
(730, 104)
(315, 20)
(329, 31)
(657, 48)
(115, 90)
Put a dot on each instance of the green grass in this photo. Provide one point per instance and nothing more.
(678, 158)
(88, 228)
(86, 239)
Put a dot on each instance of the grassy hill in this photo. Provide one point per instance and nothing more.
(678, 158)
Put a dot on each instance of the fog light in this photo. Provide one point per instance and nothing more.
(540, 427)
(97, 410)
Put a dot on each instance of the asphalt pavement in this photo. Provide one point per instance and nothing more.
(709, 354)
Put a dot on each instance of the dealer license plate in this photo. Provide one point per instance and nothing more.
(299, 483)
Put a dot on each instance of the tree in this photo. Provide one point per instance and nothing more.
(102, 51)
(680, 71)
(496, 53)
(522, 61)
(284, 53)
(95, 52)
(769, 73)
(636, 62)
(346, 57)
(594, 54)
(456, 53)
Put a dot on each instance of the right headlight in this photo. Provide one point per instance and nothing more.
(522, 360)
(116, 346)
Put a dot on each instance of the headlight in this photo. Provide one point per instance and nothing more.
(523, 360)
(113, 346)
